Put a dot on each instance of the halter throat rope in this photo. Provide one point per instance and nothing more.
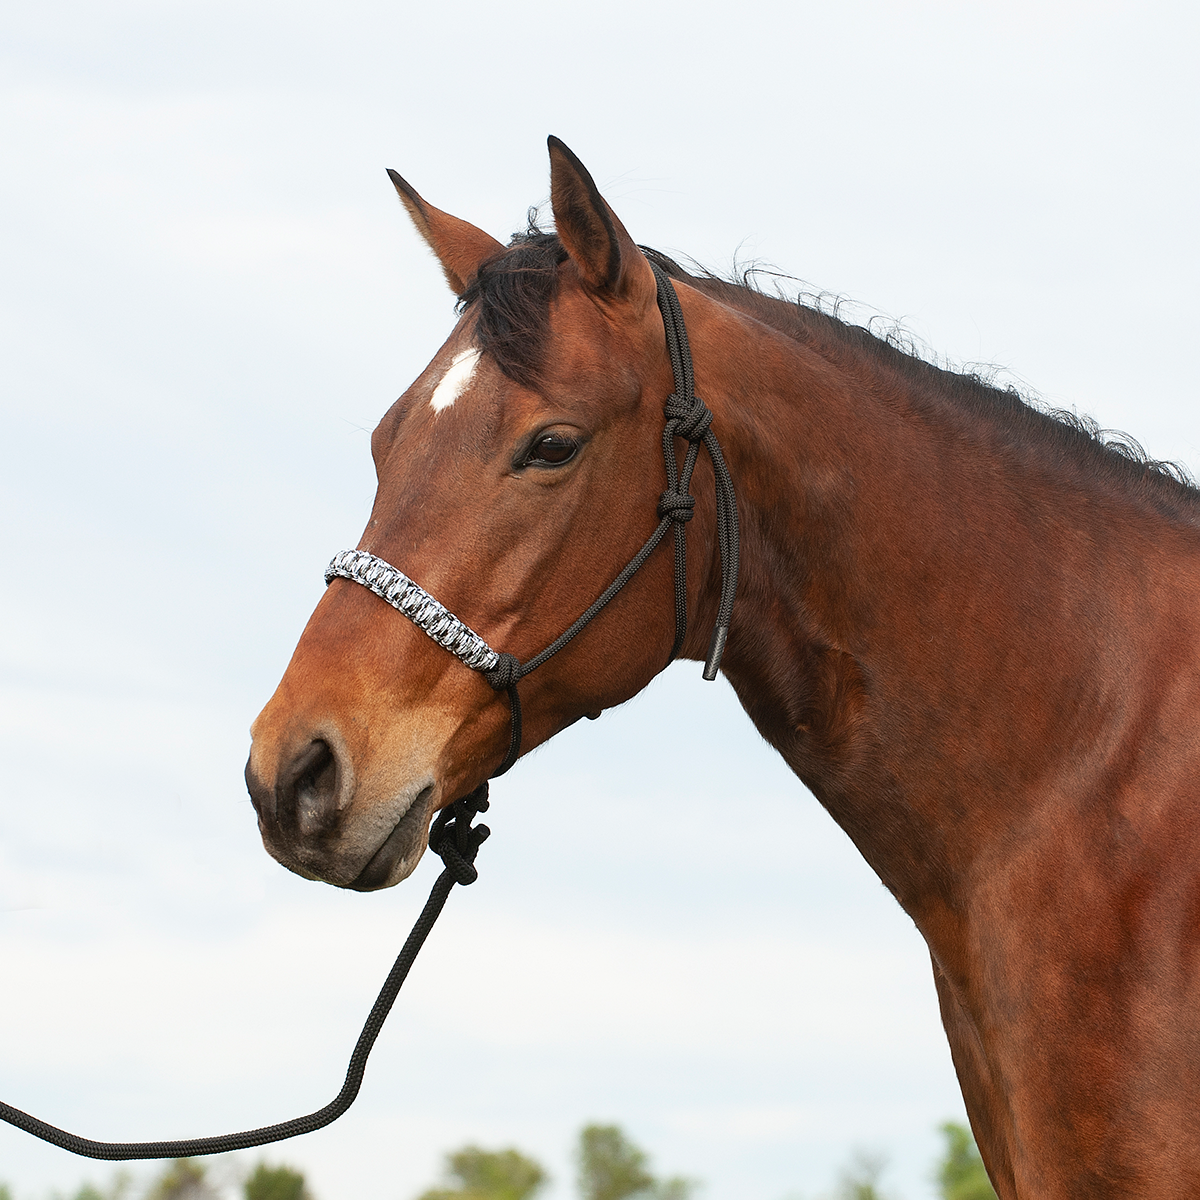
(687, 418)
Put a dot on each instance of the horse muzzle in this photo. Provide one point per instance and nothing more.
(320, 822)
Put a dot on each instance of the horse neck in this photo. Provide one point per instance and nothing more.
(929, 624)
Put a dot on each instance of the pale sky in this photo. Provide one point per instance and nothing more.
(210, 295)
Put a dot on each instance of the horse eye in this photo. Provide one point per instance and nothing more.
(553, 450)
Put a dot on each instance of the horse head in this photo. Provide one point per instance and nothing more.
(516, 477)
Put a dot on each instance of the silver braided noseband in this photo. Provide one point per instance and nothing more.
(416, 604)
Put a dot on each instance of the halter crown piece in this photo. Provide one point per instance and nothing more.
(687, 418)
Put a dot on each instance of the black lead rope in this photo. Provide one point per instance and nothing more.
(689, 419)
(457, 841)
(453, 836)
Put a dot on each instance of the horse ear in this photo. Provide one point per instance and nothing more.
(459, 246)
(597, 242)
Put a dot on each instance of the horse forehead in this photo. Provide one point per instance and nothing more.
(437, 390)
(597, 344)
(464, 401)
(459, 408)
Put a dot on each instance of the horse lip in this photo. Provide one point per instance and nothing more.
(404, 834)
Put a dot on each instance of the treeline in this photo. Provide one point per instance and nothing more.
(187, 1179)
(609, 1166)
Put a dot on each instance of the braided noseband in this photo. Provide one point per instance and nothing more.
(416, 604)
(687, 418)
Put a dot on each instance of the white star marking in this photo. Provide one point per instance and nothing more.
(455, 380)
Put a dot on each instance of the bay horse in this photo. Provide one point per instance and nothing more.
(971, 627)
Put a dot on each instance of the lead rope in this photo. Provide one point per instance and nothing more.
(457, 841)
(687, 418)
(453, 837)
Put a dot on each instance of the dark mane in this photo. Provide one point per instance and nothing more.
(513, 292)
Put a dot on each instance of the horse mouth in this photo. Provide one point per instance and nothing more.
(398, 847)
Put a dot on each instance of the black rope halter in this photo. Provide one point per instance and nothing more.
(452, 836)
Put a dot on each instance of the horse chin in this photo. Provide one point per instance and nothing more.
(397, 858)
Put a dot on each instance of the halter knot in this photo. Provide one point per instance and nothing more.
(455, 840)
(505, 673)
(676, 505)
(691, 420)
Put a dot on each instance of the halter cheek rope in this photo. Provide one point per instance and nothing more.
(453, 837)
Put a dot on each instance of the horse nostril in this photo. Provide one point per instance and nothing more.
(309, 789)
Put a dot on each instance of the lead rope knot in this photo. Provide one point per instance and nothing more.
(455, 840)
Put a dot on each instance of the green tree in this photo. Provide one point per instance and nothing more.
(860, 1179)
(181, 1179)
(275, 1183)
(476, 1174)
(118, 1189)
(5, 1194)
(961, 1172)
(675, 1188)
(611, 1167)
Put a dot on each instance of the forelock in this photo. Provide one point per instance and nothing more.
(510, 298)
